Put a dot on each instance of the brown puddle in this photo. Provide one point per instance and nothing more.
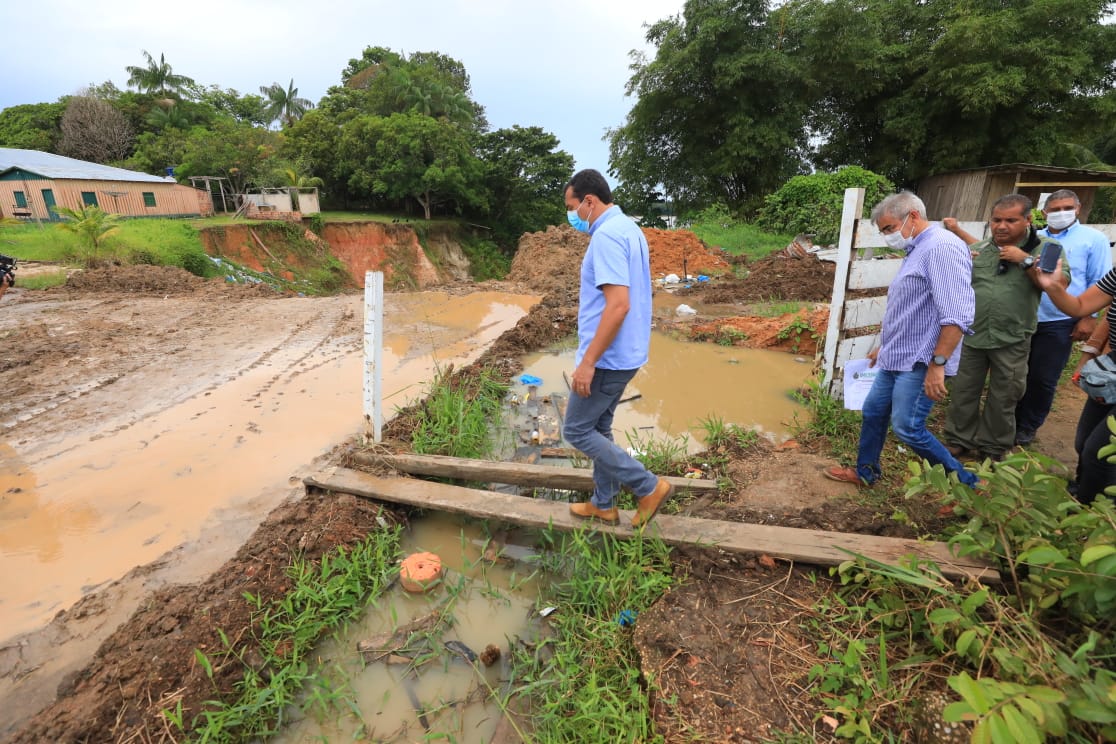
(82, 511)
(684, 383)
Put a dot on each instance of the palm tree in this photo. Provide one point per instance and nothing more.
(157, 77)
(284, 105)
(296, 182)
(90, 224)
(172, 116)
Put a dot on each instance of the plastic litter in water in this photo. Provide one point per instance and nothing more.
(685, 309)
(530, 380)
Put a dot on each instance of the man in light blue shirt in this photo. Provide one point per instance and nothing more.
(1089, 257)
(614, 337)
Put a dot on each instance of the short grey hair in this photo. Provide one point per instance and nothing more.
(899, 205)
(1062, 194)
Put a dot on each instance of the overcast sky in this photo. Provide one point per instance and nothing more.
(560, 66)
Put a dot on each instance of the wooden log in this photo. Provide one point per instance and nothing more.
(514, 473)
(817, 547)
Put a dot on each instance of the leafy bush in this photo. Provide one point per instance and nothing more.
(812, 204)
(486, 260)
(717, 227)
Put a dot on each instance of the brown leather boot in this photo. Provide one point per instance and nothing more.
(586, 510)
(649, 504)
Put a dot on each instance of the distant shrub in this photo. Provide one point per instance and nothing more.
(813, 204)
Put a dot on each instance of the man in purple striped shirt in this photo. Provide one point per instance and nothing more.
(930, 306)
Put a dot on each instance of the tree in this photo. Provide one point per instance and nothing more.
(248, 108)
(157, 77)
(524, 172)
(284, 104)
(908, 88)
(240, 152)
(95, 131)
(720, 112)
(32, 126)
(314, 143)
(412, 156)
(90, 224)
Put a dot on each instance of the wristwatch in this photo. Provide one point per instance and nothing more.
(940, 360)
(1027, 262)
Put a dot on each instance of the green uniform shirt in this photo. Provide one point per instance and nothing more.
(1006, 302)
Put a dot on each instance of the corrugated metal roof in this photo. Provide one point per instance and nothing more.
(56, 166)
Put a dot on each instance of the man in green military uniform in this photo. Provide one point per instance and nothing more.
(1007, 298)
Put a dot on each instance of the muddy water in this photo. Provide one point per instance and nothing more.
(685, 383)
(490, 604)
(81, 511)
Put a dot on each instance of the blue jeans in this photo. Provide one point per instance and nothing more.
(1050, 350)
(588, 427)
(897, 398)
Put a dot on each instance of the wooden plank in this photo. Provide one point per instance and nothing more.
(873, 274)
(788, 543)
(514, 473)
(867, 311)
(855, 348)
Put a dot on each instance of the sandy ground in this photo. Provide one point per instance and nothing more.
(156, 427)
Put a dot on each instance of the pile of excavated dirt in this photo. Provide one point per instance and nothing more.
(551, 259)
(147, 279)
(775, 277)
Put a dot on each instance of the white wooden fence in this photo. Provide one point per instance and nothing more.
(858, 270)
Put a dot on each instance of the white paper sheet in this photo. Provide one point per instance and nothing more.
(858, 381)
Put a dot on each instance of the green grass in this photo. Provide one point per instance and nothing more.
(584, 683)
(739, 238)
(156, 241)
(325, 597)
(775, 309)
(456, 414)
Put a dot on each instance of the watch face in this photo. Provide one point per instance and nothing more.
(940, 360)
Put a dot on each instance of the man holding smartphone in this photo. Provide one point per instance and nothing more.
(1007, 297)
(1087, 254)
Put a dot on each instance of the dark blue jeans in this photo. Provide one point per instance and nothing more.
(588, 427)
(1050, 350)
(897, 399)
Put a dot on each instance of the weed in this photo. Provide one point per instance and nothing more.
(729, 336)
(43, 281)
(794, 331)
(455, 418)
(828, 418)
(584, 683)
(778, 308)
(719, 434)
(658, 455)
(324, 597)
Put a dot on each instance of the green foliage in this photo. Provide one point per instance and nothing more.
(32, 126)
(524, 174)
(284, 104)
(411, 156)
(911, 88)
(324, 597)
(659, 455)
(813, 204)
(43, 281)
(455, 416)
(828, 418)
(717, 227)
(90, 224)
(794, 331)
(720, 112)
(486, 260)
(157, 77)
(585, 682)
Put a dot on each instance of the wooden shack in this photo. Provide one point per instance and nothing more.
(968, 194)
(32, 183)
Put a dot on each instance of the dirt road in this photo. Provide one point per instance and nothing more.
(156, 428)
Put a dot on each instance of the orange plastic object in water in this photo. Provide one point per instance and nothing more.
(420, 571)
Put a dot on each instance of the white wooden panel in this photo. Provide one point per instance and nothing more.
(873, 274)
(864, 312)
(868, 235)
(851, 210)
(855, 348)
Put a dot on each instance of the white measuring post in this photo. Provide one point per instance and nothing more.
(373, 353)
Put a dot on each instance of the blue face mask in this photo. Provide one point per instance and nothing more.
(576, 222)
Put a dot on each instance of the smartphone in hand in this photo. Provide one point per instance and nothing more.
(1048, 259)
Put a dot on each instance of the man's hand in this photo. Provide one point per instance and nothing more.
(1012, 253)
(1053, 279)
(1084, 328)
(934, 384)
(582, 380)
(875, 352)
(5, 282)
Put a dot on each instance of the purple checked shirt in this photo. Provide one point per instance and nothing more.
(933, 289)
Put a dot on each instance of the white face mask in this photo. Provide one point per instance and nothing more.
(1059, 221)
(895, 240)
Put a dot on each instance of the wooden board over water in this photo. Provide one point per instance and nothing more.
(512, 473)
(810, 546)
